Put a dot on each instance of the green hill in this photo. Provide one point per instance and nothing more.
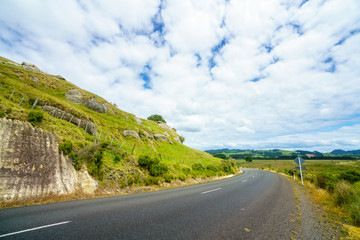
(95, 133)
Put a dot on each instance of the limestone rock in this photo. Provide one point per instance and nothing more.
(93, 104)
(60, 77)
(31, 165)
(177, 138)
(31, 67)
(138, 120)
(87, 183)
(164, 126)
(145, 134)
(159, 137)
(74, 96)
(85, 124)
(128, 133)
(14, 64)
(35, 79)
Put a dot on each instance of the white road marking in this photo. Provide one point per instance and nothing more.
(242, 209)
(244, 180)
(211, 190)
(33, 229)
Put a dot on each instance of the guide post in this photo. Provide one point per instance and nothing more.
(300, 161)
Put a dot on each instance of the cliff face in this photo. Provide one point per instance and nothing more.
(31, 165)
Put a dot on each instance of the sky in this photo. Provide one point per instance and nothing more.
(247, 74)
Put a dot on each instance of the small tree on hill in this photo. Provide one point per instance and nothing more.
(248, 158)
(156, 118)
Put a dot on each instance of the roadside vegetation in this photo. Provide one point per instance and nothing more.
(336, 184)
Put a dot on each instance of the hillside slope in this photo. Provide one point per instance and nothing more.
(96, 134)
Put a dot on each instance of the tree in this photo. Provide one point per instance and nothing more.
(248, 158)
(220, 155)
(156, 118)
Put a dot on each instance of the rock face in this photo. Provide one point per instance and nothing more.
(31, 67)
(128, 133)
(74, 96)
(31, 165)
(85, 124)
(159, 137)
(93, 104)
(138, 121)
(164, 126)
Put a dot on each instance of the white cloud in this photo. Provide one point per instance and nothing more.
(246, 74)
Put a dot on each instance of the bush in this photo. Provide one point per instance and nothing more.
(66, 147)
(186, 170)
(351, 176)
(146, 161)
(151, 181)
(248, 158)
(197, 167)
(220, 155)
(2, 114)
(182, 177)
(76, 161)
(326, 181)
(158, 169)
(354, 210)
(343, 193)
(8, 111)
(116, 159)
(156, 118)
(182, 139)
(168, 177)
(35, 117)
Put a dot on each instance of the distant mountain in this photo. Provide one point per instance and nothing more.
(343, 152)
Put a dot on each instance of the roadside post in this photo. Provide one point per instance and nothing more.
(300, 161)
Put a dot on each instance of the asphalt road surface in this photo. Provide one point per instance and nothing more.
(254, 205)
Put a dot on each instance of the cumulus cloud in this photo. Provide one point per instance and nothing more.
(246, 74)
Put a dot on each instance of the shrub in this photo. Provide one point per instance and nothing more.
(2, 114)
(35, 117)
(182, 177)
(182, 139)
(325, 181)
(248, 158)
(66, 147)
(354, 210)
(146, 161)
(156, 118)
(351, 176)
(197, 167)
(168, 177)
(343, 193)
(158, 169)
(8, 111)
(220, 155)
(76, 161)
(116, 159)
(186, 170)
(150, 180)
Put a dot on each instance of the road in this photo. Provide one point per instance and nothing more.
(254, 205)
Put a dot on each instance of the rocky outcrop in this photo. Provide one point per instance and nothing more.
(31, 165)
(74, 96)
(35, 79)
(177, 138)
(93, 104)
(145, 134)
(128, 133)
(159, 137)
(138, 120)
(164, 126)
(31, 67)
(85, 124)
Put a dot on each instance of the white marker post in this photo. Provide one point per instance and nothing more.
(302, 182)
(300, 160)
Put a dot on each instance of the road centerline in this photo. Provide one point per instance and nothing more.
(34, 229)
(213, 190)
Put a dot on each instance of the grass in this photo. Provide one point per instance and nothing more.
(335, 184)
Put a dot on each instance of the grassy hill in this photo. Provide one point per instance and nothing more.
(110, 156)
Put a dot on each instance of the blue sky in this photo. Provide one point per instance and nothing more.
(247, 74)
